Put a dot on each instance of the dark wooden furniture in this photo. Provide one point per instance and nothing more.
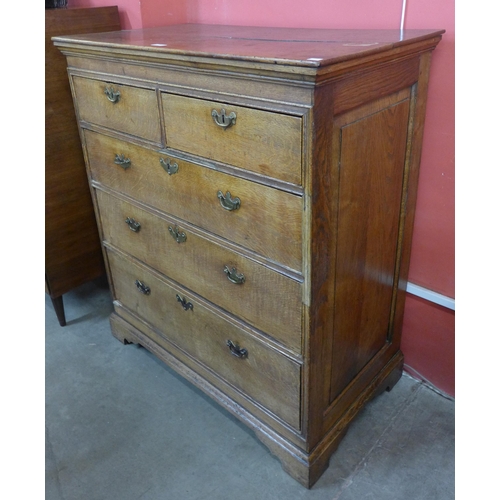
(73, 254)
(256, 191)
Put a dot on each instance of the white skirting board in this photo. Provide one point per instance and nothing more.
(431, 296)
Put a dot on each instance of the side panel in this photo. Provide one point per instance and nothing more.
(371, 161)
(356, 255)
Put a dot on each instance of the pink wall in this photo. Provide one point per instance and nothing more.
(295, 13)
(428, 343)
(433, 252)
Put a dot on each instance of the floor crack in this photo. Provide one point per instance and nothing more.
(53, 458)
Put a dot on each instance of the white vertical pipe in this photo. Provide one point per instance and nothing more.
(403, 14)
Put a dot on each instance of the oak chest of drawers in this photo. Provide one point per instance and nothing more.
(255, 191)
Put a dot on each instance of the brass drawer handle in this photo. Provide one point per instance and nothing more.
(228, 203)
(122, 161)
(112, 94)
(177, 235)
(236, 351)
(233, 276)
(185, 305)
(222, 120)
(133, 224)
(170, 168)
(142, 287)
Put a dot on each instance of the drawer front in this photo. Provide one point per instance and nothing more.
(267, 221)
(120, 107)
(260, 296)
(263, 374)
(261, 141)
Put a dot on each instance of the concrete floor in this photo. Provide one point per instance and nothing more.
(120, 425)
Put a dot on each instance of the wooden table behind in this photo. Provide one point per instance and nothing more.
(73, 253)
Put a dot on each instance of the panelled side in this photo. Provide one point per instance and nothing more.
(357, 186)
(371, 165)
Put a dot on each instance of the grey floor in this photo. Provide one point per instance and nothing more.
(121, 425)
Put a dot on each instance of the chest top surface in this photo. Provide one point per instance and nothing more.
(303, 47)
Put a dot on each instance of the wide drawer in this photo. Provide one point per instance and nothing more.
(120, 107)
(260, 372)
(267, 220)
(261, 141)
(260, 296)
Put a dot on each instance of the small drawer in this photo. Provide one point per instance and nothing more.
(123, 108)
(261, 141)
(263, 219)
(260, 296)
(242, 360)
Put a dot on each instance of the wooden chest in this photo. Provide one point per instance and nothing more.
(255, 192)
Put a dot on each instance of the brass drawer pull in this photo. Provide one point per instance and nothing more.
(112, 94)
(122, 161)
(142, 287)
(222, 120)
(228, 203)
(185, 305)
(233, 276)
(170, 168)
(177, 235)
(236, 351)
(133, 224)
